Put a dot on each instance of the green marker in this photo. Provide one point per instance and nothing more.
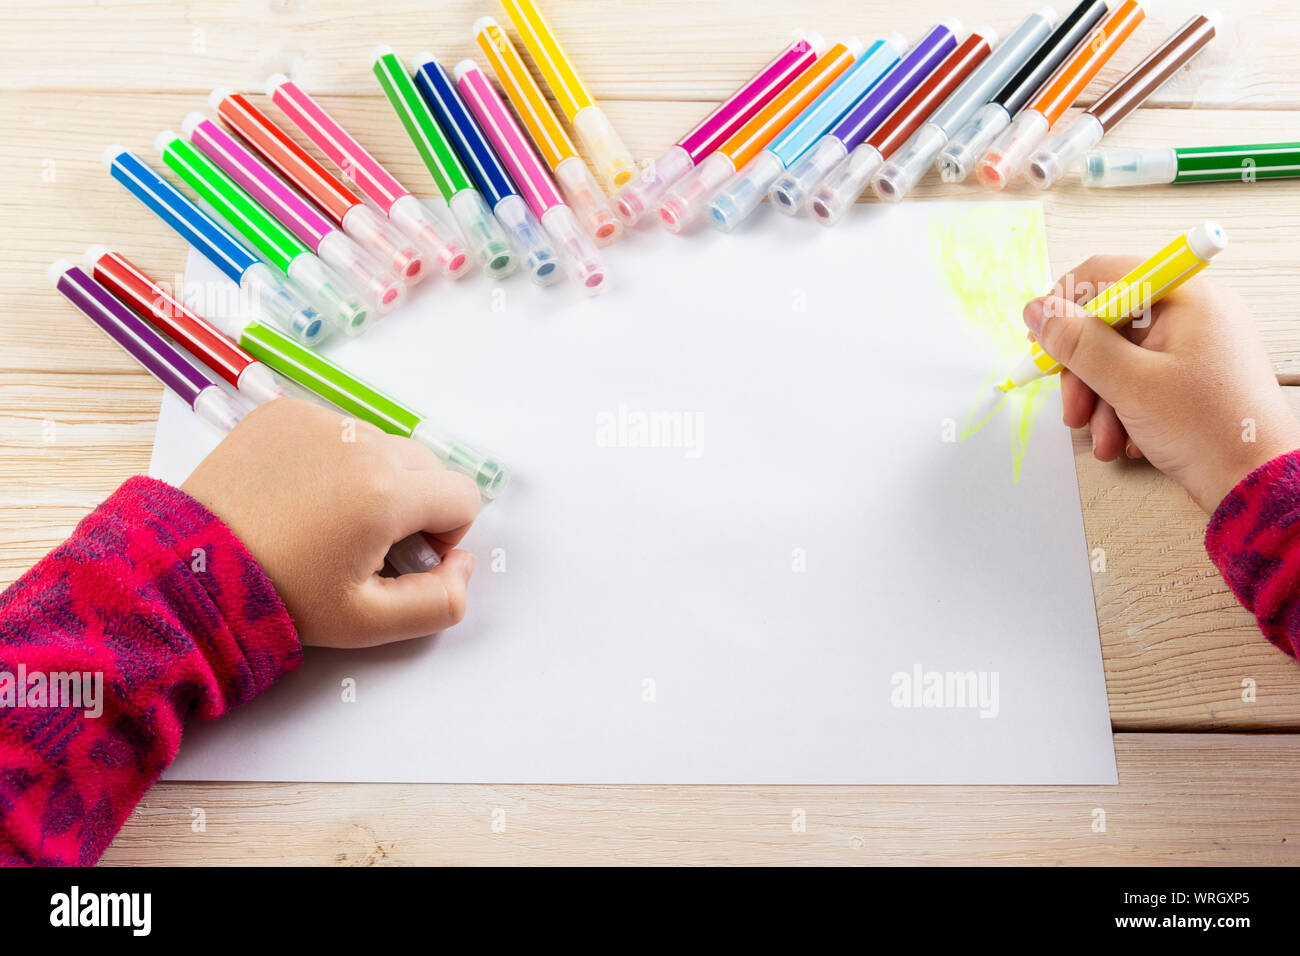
(338, 302)
(483, 233)
(1246, 163)
(319, 375)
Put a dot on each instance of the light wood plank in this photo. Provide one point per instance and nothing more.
(669, 49)
(1176, 644)
(83, 205)
(1197, 799)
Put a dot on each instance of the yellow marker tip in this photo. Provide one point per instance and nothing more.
(1006, 386)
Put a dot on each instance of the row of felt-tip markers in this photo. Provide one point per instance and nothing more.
(813, 129)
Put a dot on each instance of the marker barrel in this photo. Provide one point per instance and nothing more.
(557, 150)
(792, 191)
(738, 199)
(1061, 150)
(1007, 156)
(906, 167)
(1133, 293)
(381, 288)
(843, 186)
(612, 159)
(1246, 163)
(155, 354)
(690, 196)
(335, 198)
(648, 187)
(436, 238)
(131, 286)
(272, 296)
(333, 383)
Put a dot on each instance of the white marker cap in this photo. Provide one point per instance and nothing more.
(988, 33)
(463, 67)
(162, 139)
(111, 152)
(274, 82)
(191, 120)
(482, 23)
(1207, 240)
(816, 41)
(217, 95)
(421, 58)
(382, 50)
(954, 25)
(56, 270)
(855, 46)
(1049, 14)
(898, 41)
(1215, 17)
(92, 255)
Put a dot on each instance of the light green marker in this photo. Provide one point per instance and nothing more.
(338, 302)
(483, 233)
(319, 375)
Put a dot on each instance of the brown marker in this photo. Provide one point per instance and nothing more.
(1062, 150)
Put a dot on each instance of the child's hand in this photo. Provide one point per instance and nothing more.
(319, 498)
(1192, 391)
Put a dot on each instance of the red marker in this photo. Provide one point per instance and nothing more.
(335, 198)
(161, 309)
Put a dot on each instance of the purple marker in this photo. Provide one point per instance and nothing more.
(649, 186)
(791, 191)
(159, 358)
(384, 290)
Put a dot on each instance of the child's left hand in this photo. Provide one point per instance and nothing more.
(319, 498)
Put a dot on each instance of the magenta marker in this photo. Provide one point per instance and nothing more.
(384, 290)
(649, 185)
(159, 357)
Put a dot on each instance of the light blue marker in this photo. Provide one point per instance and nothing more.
(741, 194)
(270, 295)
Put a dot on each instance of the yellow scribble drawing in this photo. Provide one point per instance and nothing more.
(992, 261)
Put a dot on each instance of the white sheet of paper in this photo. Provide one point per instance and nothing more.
(749, 604)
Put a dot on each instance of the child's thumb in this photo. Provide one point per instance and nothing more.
(1103, 358)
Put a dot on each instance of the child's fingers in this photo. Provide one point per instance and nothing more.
(438, 502)
(1077, 400)
(1108, 435)
(413, 605)
(1091, 276)
(1110, 364)
(1132, 450)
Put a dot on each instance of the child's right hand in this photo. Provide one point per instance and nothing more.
(1193, 391)
(318, 499)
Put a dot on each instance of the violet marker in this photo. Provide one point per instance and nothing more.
(335, 248)
(159, 358)
(791, 191)
(649, 185)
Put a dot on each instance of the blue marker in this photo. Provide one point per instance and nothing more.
(481, 160)
(744, 191)
(281, 302)
(792, 190)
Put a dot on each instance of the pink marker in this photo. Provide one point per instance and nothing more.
(325, 239)
(651, 183)
(378, 185)
(532, 178)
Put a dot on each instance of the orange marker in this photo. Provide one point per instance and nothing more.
(1007, 157)
(691, 196)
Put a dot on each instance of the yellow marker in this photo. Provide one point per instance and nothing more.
(612, 160)
(1151, 281)
(557, 150)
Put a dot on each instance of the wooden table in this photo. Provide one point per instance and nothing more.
(1205, 776)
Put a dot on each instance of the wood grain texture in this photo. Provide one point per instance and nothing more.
(77, 417)
(1183, 799)
(697, 50)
